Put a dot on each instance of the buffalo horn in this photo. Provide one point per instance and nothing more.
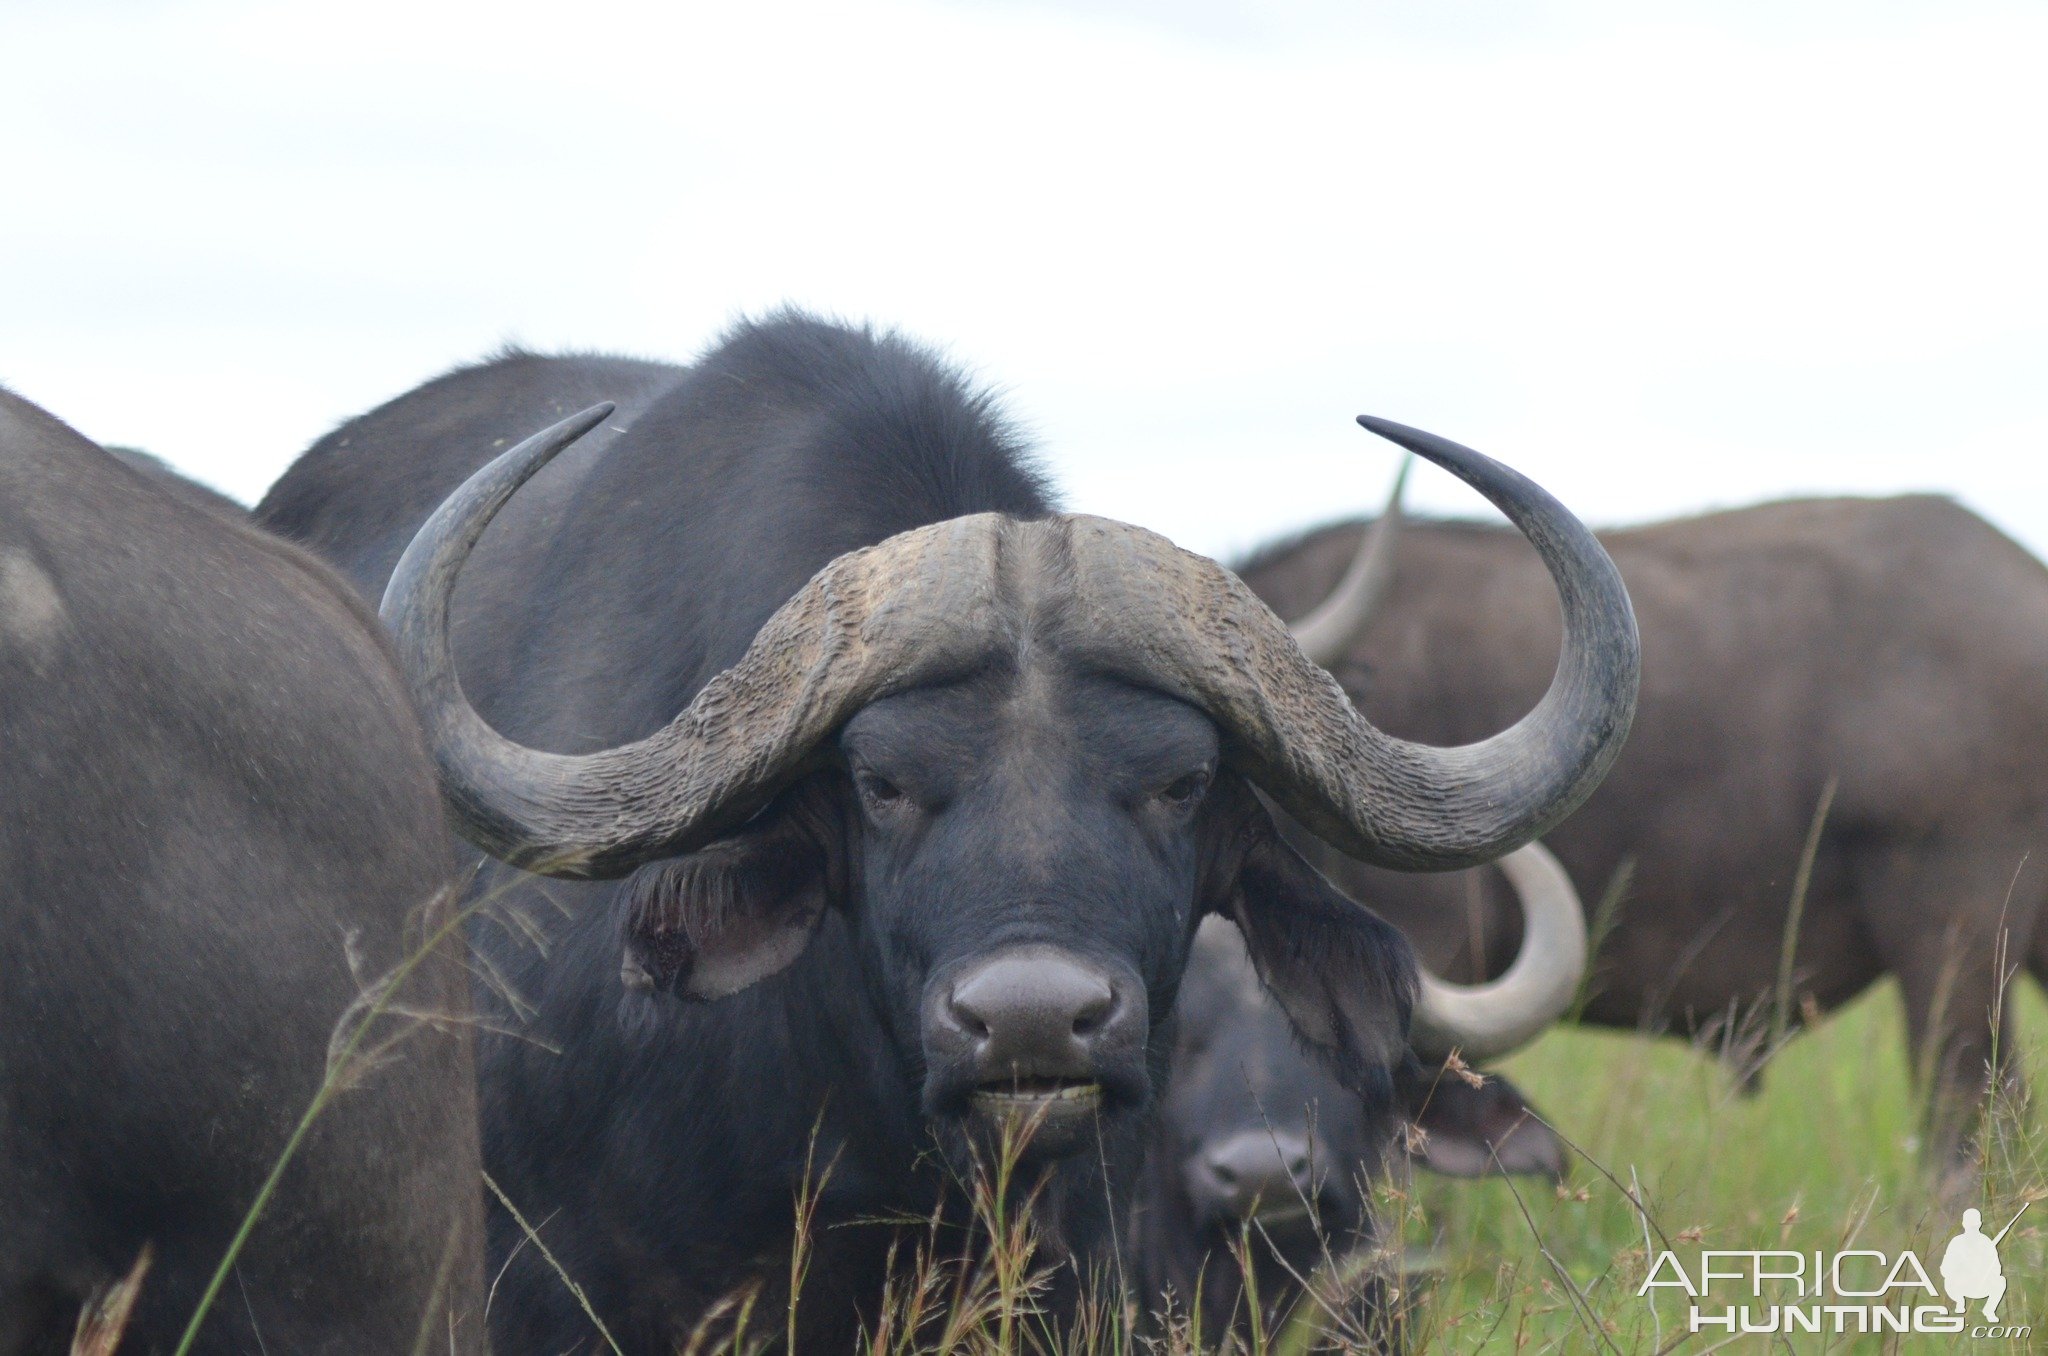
(1326, 633)
(937, 601)
(1485, 1021)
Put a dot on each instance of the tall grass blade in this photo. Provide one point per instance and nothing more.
(1781, 1008)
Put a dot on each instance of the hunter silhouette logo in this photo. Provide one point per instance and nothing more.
(1969, 1268)
(1856, 1290)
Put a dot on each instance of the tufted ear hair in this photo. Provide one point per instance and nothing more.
(713, 922)
(1345, 978)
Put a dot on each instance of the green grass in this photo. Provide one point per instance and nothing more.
(1824, 1153)
(1824, 1157)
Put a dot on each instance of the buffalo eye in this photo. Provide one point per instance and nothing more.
(878, 794)
(1183, 792)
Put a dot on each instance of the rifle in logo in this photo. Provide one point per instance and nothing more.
(1969, 1267)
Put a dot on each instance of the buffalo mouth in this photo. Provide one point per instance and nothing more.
(1285, 1211)
(1280, 1209)
(1048, 1115)
(1032, 1095)
(1291, 1222)
(1284, 1220)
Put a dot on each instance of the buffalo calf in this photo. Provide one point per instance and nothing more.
(1261, 1166)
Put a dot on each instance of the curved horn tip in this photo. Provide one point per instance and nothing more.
(1483, 473)
(557, 436)
(1421, 442)
(589, 419)
(474, 503)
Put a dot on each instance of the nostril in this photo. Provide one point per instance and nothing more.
(966, 1017)
(1094, 1014)
(1297, 1167)
(1224, 1173)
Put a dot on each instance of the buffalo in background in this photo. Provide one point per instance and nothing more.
(1262, 1163)
(1891, 654)
(883, 803)
(220, 825)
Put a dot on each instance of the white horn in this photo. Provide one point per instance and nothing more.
(1485, 1021)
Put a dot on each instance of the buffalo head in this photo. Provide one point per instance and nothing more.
(1019, 757)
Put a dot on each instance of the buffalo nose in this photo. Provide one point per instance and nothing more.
(1253, 1172)
(1033, 1013)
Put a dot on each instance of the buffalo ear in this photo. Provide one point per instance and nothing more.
(1344, 977)
(1474, 1131)
(731, 914)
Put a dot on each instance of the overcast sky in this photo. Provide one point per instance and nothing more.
(1661, 258)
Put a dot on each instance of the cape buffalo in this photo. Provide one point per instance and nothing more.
(1895, 650)
(1261, 1163)
(893, 796)
(220, 825)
